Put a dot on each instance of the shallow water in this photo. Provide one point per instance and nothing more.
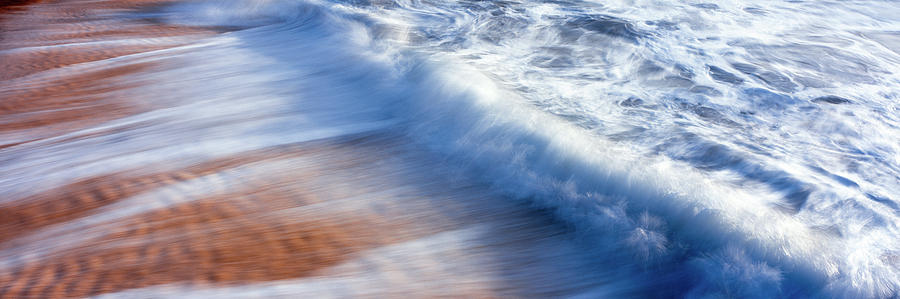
(624, 148)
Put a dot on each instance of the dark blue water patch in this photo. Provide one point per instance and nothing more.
(455, 44)
(773, 79)
(844, 181)
(711, 114)
(372, 3)
(568, 34)
(563, 3)
(711, 6)
(478, 5)
(672, 82)
(884, 200)
(608, 25)
(705, 90)
(828, 63)
(794, 201)
(768, 101)
(684, 71)
(755, 10)
(582, 121)
(551, 62)
(840, 179)
(831, 99)
(709, 156)
(626, 135)
(648, 67)
(556, 51)
(813, 82)
(744, 67)
(721, 75)
(663, 25)
(777, 81)
(631, 102)
(705, 112)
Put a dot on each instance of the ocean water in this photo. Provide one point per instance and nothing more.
(736, 149)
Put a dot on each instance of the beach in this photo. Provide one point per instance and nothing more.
(343, 213)
(400, 148)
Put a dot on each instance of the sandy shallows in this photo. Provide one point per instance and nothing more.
(110, 190)
(364, 209)
(43, 90)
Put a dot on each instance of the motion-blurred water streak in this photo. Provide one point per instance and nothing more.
(258, 148)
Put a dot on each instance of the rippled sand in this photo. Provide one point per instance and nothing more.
(349, 215)
(294, 148)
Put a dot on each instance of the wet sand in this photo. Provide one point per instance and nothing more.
(41, 97)
(336, 208)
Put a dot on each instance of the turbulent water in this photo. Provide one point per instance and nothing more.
(728, 149)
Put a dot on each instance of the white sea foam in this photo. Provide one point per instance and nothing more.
(681, 145)
(723, 174)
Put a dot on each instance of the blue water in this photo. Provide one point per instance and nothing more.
(732, 149)
(737, 149)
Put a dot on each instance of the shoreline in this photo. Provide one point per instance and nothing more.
(272, 217)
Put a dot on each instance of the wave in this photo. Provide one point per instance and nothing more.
(672, 225)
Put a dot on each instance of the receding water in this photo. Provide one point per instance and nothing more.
(659, 148)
